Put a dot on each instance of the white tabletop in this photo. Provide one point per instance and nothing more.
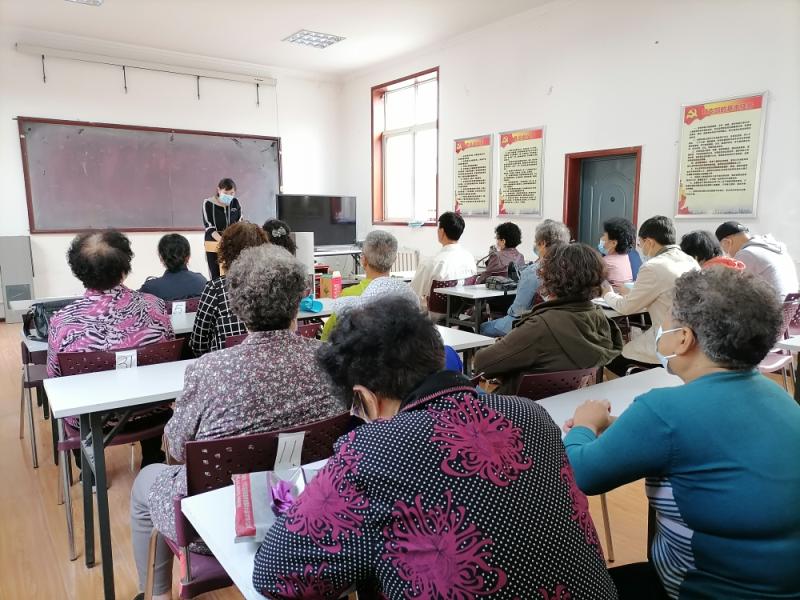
(620, 392)
(792, 344)
(473, 292)
(32, 345)
(212, 515)
(336, 250)
(327, 304)
(460, 340)
(609, 312)
(26, 304)
(404, 275)
(121, 388)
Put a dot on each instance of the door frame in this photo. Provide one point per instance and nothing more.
(572, 183)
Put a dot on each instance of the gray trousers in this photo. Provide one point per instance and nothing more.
(142, 527)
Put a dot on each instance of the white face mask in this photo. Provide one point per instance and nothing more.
(664, 359)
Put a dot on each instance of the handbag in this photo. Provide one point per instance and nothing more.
(36, 322)
(498, 282)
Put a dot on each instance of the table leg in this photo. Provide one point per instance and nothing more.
(88, 502)
(447, 319)
(476, 317)
(104, 525)
(468, 361)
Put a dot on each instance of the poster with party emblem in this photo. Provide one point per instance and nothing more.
(720, 157)
(521, 172)
(472, 175)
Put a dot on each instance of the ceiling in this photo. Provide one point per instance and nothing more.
(252, 30)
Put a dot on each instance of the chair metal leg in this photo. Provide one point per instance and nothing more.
(133, 459)
(607, 527)
(32, 431)
(151, 565)
(22, 407)
(65, 485)
(785, 379)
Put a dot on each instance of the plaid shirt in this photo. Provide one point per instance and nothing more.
(214, 321)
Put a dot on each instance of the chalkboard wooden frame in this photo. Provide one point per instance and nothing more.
(28, 195)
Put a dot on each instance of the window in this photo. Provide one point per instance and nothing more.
(405, 136)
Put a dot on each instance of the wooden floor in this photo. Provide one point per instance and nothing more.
(34, 562)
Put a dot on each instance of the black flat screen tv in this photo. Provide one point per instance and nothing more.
(331, 218)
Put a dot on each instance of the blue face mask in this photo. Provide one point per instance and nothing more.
(664, 360)
(226, 199)
(601, 247)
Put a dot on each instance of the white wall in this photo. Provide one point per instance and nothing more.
(306, 119)
(605, 75)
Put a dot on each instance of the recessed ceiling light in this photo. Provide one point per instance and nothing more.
(87, 2)
(315, 39)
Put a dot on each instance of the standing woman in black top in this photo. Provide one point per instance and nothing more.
(219, 211)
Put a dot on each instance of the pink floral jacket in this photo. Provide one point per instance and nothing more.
(459, 496)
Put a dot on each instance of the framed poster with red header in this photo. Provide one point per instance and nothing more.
(720, 157)
(472, 175)
(521, 155)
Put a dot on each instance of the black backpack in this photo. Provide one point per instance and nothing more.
(36, 322)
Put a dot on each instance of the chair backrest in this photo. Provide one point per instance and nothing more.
(407, 260)
(210, 463)
(438, 302)
(76, 363)
(191, 305)
(234, 340)
(543, 385)
(309, 330)
(791, 315)
(636, 263)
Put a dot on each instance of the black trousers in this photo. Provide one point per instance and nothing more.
(213, 265)
(638, 581)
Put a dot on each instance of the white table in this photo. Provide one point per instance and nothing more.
(327, 310)
(465, 342)
(90, 396)
(22, 305)
(477, 294)
(212, 513)
(620, 392)
(404, 275)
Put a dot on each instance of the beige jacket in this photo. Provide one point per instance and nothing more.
(652, 293)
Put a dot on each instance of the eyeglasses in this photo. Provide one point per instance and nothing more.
(357, 408)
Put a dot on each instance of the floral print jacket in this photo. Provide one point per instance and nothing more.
(459, 496)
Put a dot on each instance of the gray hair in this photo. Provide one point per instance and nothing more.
(549, 232)
(265, 285)
(380, 250)
(734, 315)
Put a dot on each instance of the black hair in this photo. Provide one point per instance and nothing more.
(621, 231)
(100, 259)
(702, 245)
(174, 250)
(226, 184)
(453, 225)
(278, 233)
(390, 347)
(658, 228)
(510, 233)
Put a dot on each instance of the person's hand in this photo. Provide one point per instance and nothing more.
(606, 288)
(623, 290)
(593, 414)
(216, 235)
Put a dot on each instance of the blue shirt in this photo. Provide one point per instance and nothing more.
(720, 455)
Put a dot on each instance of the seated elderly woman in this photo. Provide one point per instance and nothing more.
(504, 251)
(617, 241)
(279, 233)
(271, 381)
(566, 332)
(110, 316)
(214, 320)
(377, 257)
(719, 452)
(177, 282)
(441, 494)
(705, 249)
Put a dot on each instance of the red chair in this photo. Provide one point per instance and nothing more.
(76, 363)
(543, 385)
(309, 330)
(34, 372)
(779, 359)
(209, 466)
(191, 305)
(437, 303)
(234, 340)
